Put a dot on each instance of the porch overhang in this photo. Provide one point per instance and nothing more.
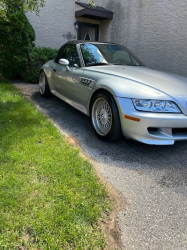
(98, 13)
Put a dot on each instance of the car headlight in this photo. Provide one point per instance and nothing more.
(156, 106)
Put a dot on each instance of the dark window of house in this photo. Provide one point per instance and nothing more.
(70, 53)
(87, 37)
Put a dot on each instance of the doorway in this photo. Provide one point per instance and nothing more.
(88, 32)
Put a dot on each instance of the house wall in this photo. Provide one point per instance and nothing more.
(56, 18)
(156, 31)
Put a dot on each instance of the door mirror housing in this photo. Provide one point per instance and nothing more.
(65, 63)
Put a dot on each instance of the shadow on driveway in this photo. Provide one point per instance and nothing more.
(152, 179)
(167, 165)
(79, 125)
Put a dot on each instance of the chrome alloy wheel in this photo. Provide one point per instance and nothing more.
(42, 83)
(102, 116)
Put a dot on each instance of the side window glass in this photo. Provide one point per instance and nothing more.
(70, 53)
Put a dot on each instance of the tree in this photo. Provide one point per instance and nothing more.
(92, 3)
(9, 6)
(16, 42)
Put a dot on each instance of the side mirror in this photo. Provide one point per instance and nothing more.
(65, 63)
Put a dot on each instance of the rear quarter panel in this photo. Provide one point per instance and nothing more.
(47, 68)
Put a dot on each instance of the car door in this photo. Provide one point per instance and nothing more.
(64, 79)
(86, 79)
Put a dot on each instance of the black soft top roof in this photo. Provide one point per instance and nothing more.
(75, 42)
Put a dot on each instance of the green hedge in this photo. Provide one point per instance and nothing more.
(37, 58)
(16, 42)
(18, 56)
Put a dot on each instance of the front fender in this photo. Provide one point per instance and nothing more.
(127, 88)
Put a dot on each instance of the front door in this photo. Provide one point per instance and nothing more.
(88, 32)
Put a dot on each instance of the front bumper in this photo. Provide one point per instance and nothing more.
(153, 128)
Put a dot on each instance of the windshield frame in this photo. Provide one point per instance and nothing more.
(100, 64)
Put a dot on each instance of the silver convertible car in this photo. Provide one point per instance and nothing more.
(123, 98)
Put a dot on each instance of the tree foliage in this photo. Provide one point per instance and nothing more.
(9, 6)
(16, 42)
(37, 58)
(92, 3)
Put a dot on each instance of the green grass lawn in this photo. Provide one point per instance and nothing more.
(50, 198)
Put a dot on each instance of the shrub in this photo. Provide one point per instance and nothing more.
(37, 58)
(16, 42)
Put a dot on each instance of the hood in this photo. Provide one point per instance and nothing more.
(173, 85)
(170, 84)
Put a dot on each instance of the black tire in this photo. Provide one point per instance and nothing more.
(113, 132)
(43, 85)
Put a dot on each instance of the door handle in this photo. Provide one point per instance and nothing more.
(54, 70)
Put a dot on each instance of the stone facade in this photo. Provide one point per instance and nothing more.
(56, 18)
(156, 31)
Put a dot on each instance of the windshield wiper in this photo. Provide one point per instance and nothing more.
(135, 65)
(126, 64)
(122, 64)
(96, 64)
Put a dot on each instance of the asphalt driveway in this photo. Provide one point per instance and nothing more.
(152, 179)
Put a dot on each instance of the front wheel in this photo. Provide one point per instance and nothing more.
(105, 117)
(43, 85)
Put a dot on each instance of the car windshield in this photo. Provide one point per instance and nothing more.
(104, 54)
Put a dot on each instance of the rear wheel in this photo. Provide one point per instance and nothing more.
(105, 117)
(43, 85)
